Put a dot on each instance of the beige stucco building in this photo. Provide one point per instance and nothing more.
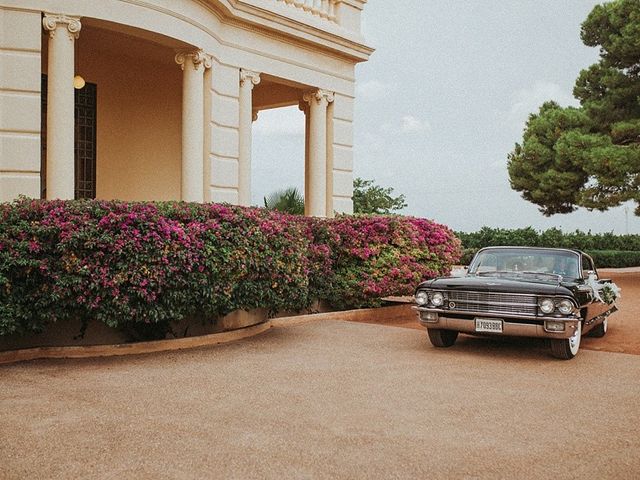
(171, 90)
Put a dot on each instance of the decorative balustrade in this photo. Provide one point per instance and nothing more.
(320, 8)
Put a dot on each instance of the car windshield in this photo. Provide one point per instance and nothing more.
(538, 265)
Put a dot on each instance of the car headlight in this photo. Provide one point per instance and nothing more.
(565, 307)
(422, 298)
(437, 299)
(547, 305)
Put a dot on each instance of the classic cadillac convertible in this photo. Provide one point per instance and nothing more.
(521, 291)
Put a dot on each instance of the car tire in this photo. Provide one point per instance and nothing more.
(601, 330)
(442, 338)
(566, 348)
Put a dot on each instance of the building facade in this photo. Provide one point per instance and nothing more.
(166, 92)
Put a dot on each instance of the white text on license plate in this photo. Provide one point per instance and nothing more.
(491, 325)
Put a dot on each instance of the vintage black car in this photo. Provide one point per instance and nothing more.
(520, 291)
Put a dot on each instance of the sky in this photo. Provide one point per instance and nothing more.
(442, 102)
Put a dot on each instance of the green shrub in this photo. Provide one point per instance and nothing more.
(608, 250)
(467, 255)
(614, 258)
(552, 238)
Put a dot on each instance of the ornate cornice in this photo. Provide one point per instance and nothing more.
(198, 59)
(51, 22)
(318, 96)
(359, 4)
(313, 29)
(253, 78)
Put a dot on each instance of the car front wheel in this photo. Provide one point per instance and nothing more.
(600, 331)
(567, 348)
(442, 338)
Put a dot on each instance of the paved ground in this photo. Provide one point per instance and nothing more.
(325, 400)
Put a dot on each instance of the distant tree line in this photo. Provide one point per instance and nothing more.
(607, 249)
(551, 238)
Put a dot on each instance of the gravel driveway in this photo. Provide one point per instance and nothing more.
(325, 399)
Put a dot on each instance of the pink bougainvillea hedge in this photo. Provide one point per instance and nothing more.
(371, 257)
(155, 263)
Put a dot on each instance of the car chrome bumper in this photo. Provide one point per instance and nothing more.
(510, 326)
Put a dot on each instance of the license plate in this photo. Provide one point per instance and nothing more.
(490, 325)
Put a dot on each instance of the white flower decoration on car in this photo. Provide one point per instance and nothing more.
(604, 292)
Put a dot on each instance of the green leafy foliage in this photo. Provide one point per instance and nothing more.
(141, 267)
(286, 201)
(614, 258)
(608, 250)
(371, 199)
(589, 156)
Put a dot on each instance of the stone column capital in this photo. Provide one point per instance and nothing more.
(318, 96)
(303, 106)
(248, 77)
(198, 59)
(51, 21)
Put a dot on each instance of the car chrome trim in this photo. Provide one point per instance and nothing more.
(444, 290)
(494, 314)
(537, 295)
(597, 319)
(514, 329)
(479, 302)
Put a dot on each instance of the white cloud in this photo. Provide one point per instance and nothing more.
(411, 124)
(287, 121)
(528, 100)
(406, 124)
(373, 90)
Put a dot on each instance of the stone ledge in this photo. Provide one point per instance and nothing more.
(369, 315)
(137, 348)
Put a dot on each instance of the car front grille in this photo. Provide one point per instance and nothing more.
(484, 302)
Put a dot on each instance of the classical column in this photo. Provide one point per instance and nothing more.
(247, 81)
(329, 199)
(193, 64)
(304, 108)
(63, 31)
(316, 201)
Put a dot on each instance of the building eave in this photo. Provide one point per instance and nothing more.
(299, 25)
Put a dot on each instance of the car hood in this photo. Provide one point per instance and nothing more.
(503, 285)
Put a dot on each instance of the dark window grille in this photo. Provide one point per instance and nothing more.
(85, 141)
(43, 137)
(85, 153)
